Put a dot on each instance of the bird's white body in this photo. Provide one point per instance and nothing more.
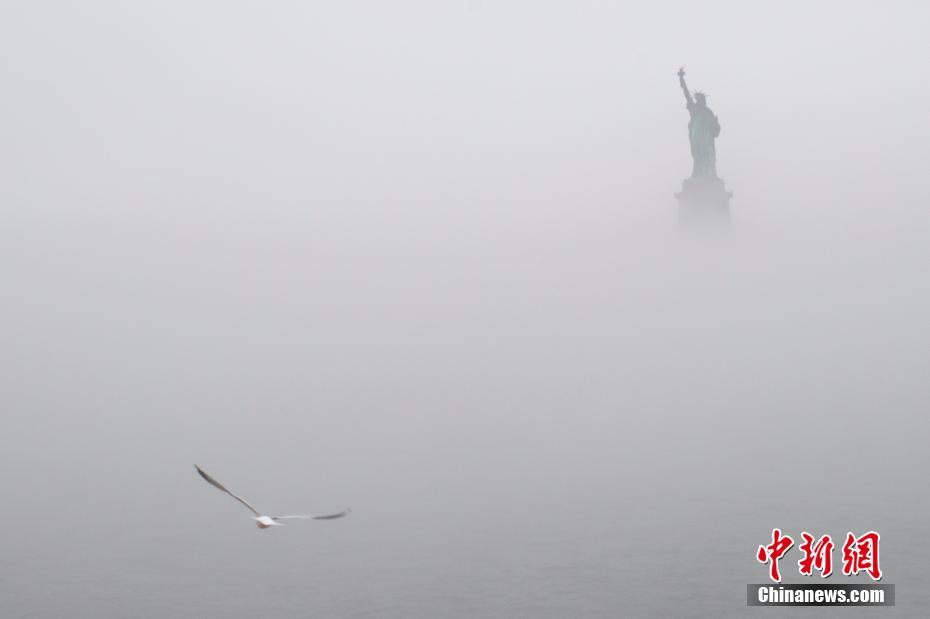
(263, 522)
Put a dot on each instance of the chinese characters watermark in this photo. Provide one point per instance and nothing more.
(860, 554)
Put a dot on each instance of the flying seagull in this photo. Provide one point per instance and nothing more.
(262, 521)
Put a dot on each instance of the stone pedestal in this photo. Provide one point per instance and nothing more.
(703, 200)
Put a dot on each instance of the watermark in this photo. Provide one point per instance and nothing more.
(867, 594)
(859, 555)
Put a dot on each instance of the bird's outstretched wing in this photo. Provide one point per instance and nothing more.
(217, 484)
(341, 514)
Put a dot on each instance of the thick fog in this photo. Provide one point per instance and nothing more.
(423, 259)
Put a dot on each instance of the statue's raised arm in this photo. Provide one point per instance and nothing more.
(684, 87)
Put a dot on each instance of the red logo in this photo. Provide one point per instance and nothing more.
(860, 554)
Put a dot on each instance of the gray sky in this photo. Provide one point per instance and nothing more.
(422, 258)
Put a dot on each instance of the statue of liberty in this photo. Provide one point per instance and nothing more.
(704, 197)
(703, 129)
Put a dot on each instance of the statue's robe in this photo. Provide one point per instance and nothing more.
(703, 129)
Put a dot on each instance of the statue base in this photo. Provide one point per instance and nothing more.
(703, 200)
